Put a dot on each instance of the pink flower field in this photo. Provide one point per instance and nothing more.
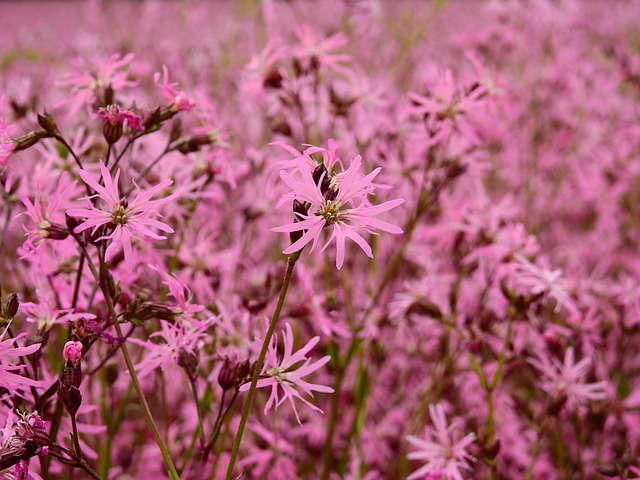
(323, 240)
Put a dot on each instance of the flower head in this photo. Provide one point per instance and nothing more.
(115, 118)
(125, 220)
(178, 101)
(338, 201)
(443, 450)
(88, 85)
(283, 373)
(566, 380)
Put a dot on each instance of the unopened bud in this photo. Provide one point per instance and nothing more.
(189, 361)
(72, 352)
(57, 232)
(72, 222)
(70, 397)
(112, 132)
(26, 141)
(227, 378)
(245, 369)
(10, 306)
(47, 123)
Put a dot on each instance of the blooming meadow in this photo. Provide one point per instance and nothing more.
(344, 239)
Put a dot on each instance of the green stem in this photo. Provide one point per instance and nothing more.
(173, 474)
(291, 262)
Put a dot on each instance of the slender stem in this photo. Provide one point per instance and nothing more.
(76, 440)
(291, 262)
(106, 160)
(173, 474)
(7, 219)
(76, 288)
(216, 429)
(148, 168)
(200, 429)
(333, 417)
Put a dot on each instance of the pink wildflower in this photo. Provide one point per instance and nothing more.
(178, 101)
(339, 202)
(115, 118)
(85, 86)
(8, 350)
(6, 144)
(127, 220)
(567, 379)
(443, 450)
(282, 373)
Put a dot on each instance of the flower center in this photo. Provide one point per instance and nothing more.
(330, 211)
(120, 215)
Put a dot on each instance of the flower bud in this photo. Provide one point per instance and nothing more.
(189, 361)
(47, 123)
(227, 378)
(70, 397)
(10, 306)
(72, 352)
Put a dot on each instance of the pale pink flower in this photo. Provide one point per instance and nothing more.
(9, 350)
(178, 101)
(342, 205)
(85, 86)
(45, 314)
(566, 379)
(542, 280)
(183, 309)
(6, 144)
(46, 212)
(283, 373)
(134, 220)
(443, 450)
(165, 345)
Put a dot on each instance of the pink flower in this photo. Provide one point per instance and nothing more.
(115, 118)
(567, 379)
(443, 450)
(9, 349)
(178, 101)
(282, 373)
(85, 86)
(72, 352)
(338, 201)
(126, 220)
(6, 144)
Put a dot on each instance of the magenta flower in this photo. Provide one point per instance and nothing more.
(116, 116)
(444, 452)
(72, 352)
(126, 220)
(338, 201)
(284, 374)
